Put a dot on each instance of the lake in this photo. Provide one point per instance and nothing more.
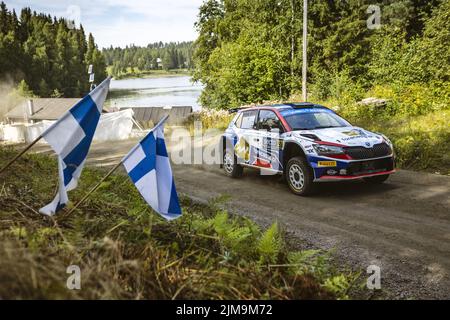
(154, 92)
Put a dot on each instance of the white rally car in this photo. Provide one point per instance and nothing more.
(307, 143)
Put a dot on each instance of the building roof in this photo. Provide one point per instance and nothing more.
(44, 108)
(176, 114)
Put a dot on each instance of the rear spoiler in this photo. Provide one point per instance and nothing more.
(235, 110)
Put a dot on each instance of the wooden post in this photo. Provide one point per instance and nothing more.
(20, 154)
(94, 189)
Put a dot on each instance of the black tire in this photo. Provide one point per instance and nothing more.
(233, 169)
(377, 179)
(296, 169)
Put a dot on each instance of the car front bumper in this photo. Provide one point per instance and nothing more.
(327, 169)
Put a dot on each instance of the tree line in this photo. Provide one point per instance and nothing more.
(155, 56)
(249, 51)
(48, 56)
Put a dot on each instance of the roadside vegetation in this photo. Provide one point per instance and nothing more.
(209, 119)
(125, 251)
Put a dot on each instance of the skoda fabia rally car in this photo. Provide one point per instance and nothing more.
(306, 142)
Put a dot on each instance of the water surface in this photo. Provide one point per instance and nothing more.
(154, 92)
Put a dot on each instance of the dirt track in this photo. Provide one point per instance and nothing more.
(402, 226)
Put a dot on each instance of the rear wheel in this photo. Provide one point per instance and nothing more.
(299, 176)
(230, 166)
(377, 179)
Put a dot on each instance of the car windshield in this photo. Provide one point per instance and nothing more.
(313, 118)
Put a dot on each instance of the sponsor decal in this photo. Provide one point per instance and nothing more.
(322, 164)
(354, 133)
(304, 110)
(242, 149)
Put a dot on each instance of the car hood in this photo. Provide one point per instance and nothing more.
(348, 136)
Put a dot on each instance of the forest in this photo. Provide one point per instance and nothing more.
(250, 51)
(133, 60)
(46, 56)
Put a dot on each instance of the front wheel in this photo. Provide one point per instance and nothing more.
(230, 166)
(300, 177)
(377, 179)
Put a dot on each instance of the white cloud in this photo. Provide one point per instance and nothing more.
(119, 22)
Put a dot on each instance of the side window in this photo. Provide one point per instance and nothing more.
(268, 120)
(248, 119)
(238, 122)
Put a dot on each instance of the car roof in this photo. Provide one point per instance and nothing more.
(285, 106)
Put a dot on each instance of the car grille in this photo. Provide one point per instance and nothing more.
(372, 166)
(378, 150)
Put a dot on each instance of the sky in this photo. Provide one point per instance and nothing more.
(124, 22)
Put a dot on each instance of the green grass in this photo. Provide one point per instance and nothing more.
(126, 251)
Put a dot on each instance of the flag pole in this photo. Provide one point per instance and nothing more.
(108, 174)
(94, 189)
(20, 154)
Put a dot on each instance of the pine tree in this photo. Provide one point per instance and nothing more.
(43, 53)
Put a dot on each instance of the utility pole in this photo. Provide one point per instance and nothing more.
(305, 45)
(292, 39)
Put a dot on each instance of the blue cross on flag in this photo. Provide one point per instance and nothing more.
(71, 137)
(148, 166)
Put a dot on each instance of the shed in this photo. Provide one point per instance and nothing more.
(38, 109)
(177, 115)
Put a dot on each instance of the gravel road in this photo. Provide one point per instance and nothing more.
(402, 226)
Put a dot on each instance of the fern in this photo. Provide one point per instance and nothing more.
(221, 224)
(308, 261)
(339, 285)
(270, 245)
(235, 239)
(231, 234)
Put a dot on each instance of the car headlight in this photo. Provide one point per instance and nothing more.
(327, 150)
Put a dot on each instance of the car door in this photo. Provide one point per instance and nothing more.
(269, 129)
(246, 137)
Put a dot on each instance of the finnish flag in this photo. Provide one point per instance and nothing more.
(148, 166)
(71, 137)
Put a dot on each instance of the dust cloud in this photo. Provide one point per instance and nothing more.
(9, 97)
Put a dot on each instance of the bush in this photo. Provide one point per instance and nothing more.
(210, 119)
